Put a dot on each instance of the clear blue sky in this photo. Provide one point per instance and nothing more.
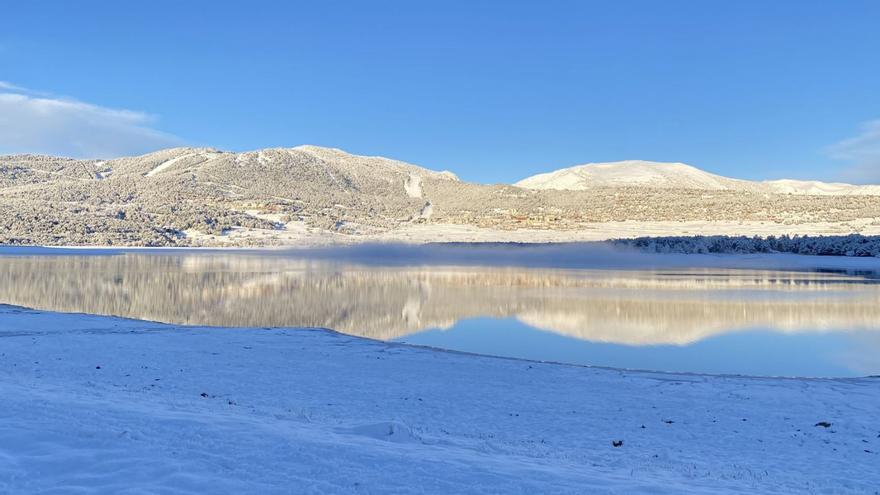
(493, 91)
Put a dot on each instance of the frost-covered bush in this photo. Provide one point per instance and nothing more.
(838, 245)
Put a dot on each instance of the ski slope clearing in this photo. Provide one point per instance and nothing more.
(107, 405)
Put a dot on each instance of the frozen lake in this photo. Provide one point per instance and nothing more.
(653, 313)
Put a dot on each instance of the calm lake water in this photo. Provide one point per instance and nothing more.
(703, 319)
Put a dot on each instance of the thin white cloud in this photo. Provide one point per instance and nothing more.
(10, 86)
(862, 152)
(32, 122)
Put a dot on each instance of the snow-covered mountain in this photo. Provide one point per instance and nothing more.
(639, 173)
(204, 196)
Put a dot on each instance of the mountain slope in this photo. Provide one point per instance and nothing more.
(157, 198)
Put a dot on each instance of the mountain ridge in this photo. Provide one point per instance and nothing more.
(280, 196)
(622, 173)
(635, 173)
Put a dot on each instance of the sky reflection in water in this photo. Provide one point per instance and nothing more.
(761, 352)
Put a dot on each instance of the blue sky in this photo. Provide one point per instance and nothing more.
(494, 91)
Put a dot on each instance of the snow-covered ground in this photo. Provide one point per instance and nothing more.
(296, 233)
(106, 405)
(424, 233)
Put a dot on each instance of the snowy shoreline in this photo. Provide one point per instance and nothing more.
(101, 404)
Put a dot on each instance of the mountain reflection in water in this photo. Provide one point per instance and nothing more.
(632, 307)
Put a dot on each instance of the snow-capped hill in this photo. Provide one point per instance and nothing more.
(790, 186)
(638, 173)
(632, 173)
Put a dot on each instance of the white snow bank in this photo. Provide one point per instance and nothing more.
(104, 405)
